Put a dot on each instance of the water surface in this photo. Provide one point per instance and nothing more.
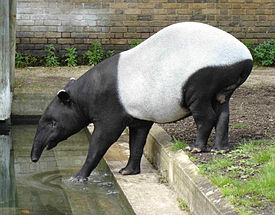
(44, 187)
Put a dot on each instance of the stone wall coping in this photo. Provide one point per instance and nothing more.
(202, 197)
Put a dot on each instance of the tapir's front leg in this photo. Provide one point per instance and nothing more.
(103, 137)
(138, 131)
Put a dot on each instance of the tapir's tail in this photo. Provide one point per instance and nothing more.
(247, 68)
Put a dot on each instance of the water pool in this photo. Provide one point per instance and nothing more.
(44, 188)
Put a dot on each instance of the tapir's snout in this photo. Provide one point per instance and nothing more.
(36, 152)
(34, 159)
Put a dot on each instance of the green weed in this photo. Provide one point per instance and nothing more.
(240, 125)
(95, 55)
(23, 61)
(33, 61)
(71, 56)
(205, 168)
(136, 43)
(177, 145)
(182, 204)
(19, 60)
(51, 59)
(250, 46)
(110, 53)
(192, 159)
(264, 53)
(163, 180)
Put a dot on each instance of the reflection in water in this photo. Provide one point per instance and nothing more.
(44, 187)
(7, 184)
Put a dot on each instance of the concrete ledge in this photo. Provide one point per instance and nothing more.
(145, 193)
(30, 104)
(199, 193)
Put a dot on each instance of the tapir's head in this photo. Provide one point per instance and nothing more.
(61, 119)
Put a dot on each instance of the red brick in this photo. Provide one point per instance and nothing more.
(145, 35)
(118, 41)
(38, 40)
(66, 35)
(65, 41)
(132, 11)
(171, 5)
(25, 40)
(131, 35)
(51, 41)
(146, 5)
(118, 29)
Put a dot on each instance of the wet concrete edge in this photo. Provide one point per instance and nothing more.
(183, 176)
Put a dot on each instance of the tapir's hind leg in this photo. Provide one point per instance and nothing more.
(205, 118)
(138, 131)
(221, 138)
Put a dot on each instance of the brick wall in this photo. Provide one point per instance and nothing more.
(118, 23)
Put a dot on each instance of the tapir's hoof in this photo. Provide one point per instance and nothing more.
(188, 148)
(220, 150)
(196, 150)
(193, 149)
(78, 179)
(124, 171)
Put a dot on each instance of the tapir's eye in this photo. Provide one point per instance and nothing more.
(53, 124)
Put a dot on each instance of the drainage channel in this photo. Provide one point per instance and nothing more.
(44, 187)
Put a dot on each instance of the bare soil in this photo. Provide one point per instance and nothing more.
(252, 114)
(45, 80)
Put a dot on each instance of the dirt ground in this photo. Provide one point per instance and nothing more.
(45, 80)
(252, 114)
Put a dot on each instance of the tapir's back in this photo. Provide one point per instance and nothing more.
(151, 76)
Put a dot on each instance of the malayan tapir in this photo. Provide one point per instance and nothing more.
(186, 69)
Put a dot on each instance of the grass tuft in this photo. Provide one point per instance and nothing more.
(246, 175)
(182, 204)
(240, 125)
(177, 145)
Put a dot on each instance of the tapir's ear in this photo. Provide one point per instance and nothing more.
(71, 81)
(64, 96)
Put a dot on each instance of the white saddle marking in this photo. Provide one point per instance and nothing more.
(151, 75)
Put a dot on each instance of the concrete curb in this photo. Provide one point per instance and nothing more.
(202, 197)
(25, 104)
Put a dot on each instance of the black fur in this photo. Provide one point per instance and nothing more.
(200, 97)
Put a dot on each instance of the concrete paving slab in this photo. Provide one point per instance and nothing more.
(144, 191)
